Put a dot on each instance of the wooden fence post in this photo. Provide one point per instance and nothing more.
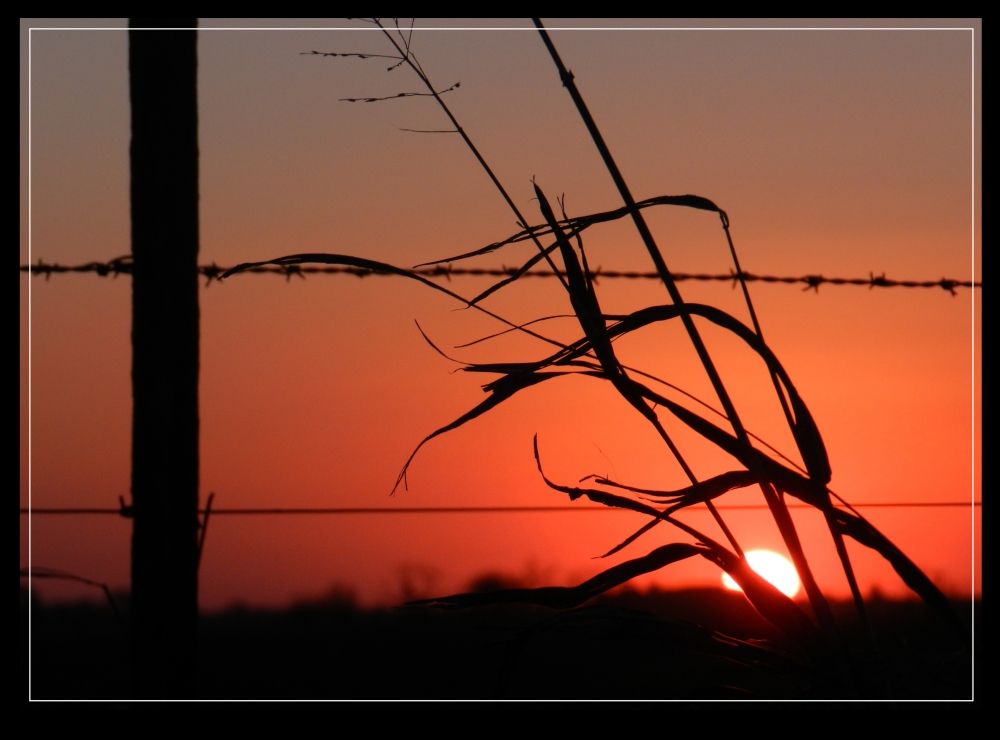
(164, 195)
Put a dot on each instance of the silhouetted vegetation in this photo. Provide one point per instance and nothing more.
(819, 661)
(625, 645)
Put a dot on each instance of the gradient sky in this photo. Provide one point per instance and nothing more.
(839, 152)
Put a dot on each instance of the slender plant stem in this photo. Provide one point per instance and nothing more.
(647, 237)
(779, 511)
(838, 538)
(411, 60)
(590, 316)
(644, 232)
(414, 64)
(775, 502)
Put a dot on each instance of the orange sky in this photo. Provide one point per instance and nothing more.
(839, 152)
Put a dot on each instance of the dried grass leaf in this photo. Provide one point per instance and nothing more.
(559, 597)
(863, 532)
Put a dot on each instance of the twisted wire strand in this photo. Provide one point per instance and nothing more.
(123, 266)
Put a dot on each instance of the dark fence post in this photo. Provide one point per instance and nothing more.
(164, 193)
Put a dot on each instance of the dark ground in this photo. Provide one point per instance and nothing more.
(613, 648)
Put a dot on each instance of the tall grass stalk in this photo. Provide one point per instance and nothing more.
(593, 355)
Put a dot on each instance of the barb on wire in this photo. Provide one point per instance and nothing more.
(123, 266)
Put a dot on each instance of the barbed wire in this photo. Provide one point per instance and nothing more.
(126, 511)
(123, 266)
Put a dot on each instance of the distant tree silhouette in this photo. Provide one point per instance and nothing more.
(164, 195)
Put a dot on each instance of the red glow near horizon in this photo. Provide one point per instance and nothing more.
(832, 153)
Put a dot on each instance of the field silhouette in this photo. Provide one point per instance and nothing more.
(625, 645)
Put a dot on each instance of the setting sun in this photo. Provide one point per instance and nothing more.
(409, 391)
(775, 569)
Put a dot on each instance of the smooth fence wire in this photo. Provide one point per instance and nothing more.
(125, 511)
(123, 266)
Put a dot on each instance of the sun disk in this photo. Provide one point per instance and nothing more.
(774, 568)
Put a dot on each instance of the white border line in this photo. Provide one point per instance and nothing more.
(973, 343)
(30, 538)
(519, 28)
(532, 29)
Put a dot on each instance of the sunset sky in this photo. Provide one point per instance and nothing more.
(836, 152)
